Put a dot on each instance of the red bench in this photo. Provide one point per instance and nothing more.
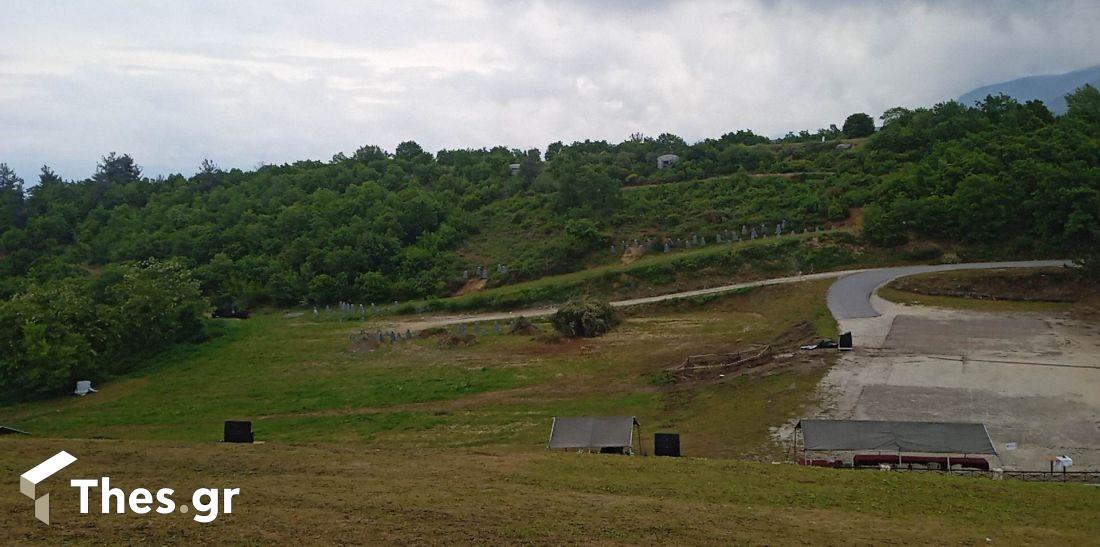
(821, 463)
(870, 460)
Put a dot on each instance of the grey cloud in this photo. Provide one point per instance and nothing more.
(246, 82)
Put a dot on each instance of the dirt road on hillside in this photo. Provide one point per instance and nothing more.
(855, 297)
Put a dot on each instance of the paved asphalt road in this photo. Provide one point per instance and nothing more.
(850, 296)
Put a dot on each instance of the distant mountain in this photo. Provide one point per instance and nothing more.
(1051, 89)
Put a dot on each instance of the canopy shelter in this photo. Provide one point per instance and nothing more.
(603, 433)
(928, 437)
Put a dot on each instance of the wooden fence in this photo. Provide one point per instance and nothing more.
(696, 365)
(1086, 477)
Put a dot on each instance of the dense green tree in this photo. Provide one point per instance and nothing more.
(583, 234)
(742, 136)
(895, 114)
(11, 197)
(92, 326)
(529, 167)
(858, 125)
(323, 288)
(411, 152)
(373, 287)
(1084, 104)
(46, 177)
(584, 189)
(208, 176)
(117, 169)
(370, 153)
(882, 227)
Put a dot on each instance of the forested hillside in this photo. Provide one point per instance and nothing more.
(375, 226)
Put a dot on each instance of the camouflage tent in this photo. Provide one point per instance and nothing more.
(604, 433)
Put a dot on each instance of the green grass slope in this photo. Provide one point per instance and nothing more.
(302, 380)
(345, 494)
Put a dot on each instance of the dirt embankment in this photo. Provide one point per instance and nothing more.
(472, 286)
(632, 254)
(1048, 285)
(782, 349)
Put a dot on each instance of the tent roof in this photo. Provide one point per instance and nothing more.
(934, 437)
(592, 431)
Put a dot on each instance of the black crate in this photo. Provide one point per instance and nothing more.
(845, 341)
(238, 431)
(666, 444)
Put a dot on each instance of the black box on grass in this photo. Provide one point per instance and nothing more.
(666, 444)
(238, 431)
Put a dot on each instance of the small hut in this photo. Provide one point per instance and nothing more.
(941, 445)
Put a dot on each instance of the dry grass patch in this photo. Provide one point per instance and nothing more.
(350, 494)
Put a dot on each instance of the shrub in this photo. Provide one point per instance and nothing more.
(923, 253)
(661, 378)
(585, 318)
(883, 227)
(432, 331)
(950, 258)
(584, 234)
(522, 325)
(456, 341)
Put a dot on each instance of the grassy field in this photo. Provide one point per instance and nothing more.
(354, 493)
(1016, 290)
(300, 382)
(421, 442)
(961, 303)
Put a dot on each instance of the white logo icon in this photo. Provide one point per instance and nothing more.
(39, 473)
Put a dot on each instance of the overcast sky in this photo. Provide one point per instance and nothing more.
(242, 82)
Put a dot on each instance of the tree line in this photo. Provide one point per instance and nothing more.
(377, 226)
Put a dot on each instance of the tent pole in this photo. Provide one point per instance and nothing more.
(805, 448)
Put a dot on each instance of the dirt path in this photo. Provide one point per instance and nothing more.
(444, 320)
(856, 295)
(632, 254)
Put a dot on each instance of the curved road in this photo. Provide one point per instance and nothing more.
(444, 320)
(849, 297)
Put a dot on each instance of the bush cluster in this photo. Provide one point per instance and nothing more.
(90, 327)
(585, 318)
